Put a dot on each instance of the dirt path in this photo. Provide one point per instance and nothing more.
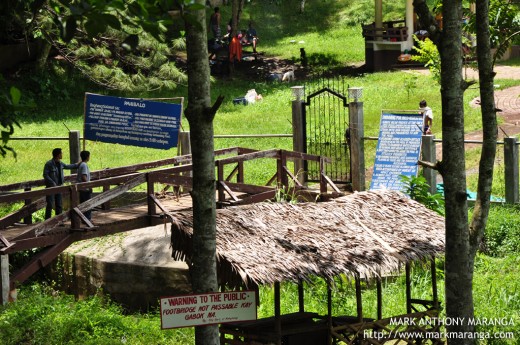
(507, 100)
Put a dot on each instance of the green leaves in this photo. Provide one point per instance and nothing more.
(9, 104)
(419, 190)
(429, 56)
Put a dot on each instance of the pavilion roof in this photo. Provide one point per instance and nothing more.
(364, 233)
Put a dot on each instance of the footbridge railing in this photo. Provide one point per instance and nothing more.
(57, 233)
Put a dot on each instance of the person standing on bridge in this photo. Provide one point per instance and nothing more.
(84, 176)
(53, 175)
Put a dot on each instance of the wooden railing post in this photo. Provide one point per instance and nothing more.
(511, 170)
(429, 155)
(4, 279)
(27, 220)
(185, 148)
(150, 190)
(284, 180)
(220, 178)
(75, 222)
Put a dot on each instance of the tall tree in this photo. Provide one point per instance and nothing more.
(462, 240)
(459, 265)
(148, 15)
(489, 125)
(200, 117)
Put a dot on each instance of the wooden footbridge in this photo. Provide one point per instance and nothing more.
(18, 232)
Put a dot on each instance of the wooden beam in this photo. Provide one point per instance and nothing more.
(301, 301)
(228, 191)
(4, 279)
(83, 218)
(40, 260)
(25, 211)
(277, 314)
(408, 289)
(359, 300)
(379, 299)
(434, 284)
(330, 183)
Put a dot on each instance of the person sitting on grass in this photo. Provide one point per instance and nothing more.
(250, 38)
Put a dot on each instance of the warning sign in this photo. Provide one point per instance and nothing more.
(207, 309)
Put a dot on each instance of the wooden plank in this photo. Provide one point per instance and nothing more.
(40, 260)
(25, 211)
(4, 242)
(300, 155)
(295, 180)
(33, 194)
(111, 194)
(248, 188)
(177, 180)
(227, 190)
(83, 218)
(249, 156)
(330, 183)
(255, 198)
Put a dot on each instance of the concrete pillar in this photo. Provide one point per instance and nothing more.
(357, 145)
(378, 17)
(4, 278)
(429, 155)
(298, 137)
(409, 23)
(511, 170)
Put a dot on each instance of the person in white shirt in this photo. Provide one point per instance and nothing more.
(84, 176)
(427, 116)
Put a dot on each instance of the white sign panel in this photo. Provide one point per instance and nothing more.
(207, 309)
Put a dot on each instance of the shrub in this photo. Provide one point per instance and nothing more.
(502, 235)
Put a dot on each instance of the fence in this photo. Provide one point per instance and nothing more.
(510, 152)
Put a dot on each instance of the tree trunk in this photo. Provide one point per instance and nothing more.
(459, 263)
(427, 20)
(489, 126)
(302, 6)
(200, 117)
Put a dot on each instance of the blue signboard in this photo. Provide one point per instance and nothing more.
(134, 122)
(398, 149)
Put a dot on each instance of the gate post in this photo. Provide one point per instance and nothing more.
(298, 134)
(357, 145)
(4, 279)
(511, 170)
(429, 155)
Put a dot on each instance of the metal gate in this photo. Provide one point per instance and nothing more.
(326, 123)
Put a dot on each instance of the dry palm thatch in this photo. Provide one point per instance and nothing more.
(360, 234)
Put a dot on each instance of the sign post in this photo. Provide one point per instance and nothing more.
(136, 122)
(207, 309)
(398, 149)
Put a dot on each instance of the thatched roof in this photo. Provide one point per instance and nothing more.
(364, 233)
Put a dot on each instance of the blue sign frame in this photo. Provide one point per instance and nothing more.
(398, 149)
(135, 122)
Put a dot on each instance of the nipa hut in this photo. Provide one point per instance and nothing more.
(361, 235)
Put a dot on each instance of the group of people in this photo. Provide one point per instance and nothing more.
(249, 37)
(53, 176)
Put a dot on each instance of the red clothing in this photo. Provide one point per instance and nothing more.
(235, 50)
